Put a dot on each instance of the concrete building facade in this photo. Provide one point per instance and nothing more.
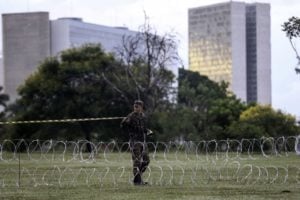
(73, 32)
(1, 72)
(231, 42)
(26, 42)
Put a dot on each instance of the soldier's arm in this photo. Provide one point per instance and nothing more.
(146, 129)
(125, 123)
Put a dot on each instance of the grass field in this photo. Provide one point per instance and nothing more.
(169, 176)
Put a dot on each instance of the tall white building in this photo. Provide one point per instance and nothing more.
(1, 72)
(26, 42)
(231, 42)
(28, 38)
(73, 32)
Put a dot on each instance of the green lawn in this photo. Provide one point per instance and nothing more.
(170, 176)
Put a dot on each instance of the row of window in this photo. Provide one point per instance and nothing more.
(221, 8)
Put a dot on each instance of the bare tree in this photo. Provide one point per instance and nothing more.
(146, 61)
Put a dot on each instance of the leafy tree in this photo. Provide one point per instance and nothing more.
(205, 109)
(3, 104)
(3, 99)
(292, 30)
(71, 86)
(222, 113)
(197, 91)
(292, 27)
(258, 121)
(176, 123)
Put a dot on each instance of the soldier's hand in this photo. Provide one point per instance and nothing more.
(149, 132)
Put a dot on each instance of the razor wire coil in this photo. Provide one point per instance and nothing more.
(209, 161)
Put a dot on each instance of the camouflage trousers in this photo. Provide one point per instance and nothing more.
(140, 159)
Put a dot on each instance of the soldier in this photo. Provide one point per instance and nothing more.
(135, 125)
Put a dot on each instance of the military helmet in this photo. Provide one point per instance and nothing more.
(139, 102)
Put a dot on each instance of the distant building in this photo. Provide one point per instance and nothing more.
(73, 32)
(28, 38)
(26, 42)
(1, 72)
(1, 80)
(231, 42)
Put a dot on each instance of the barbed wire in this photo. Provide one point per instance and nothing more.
(156, 174)
(230, 149)
(194, 163)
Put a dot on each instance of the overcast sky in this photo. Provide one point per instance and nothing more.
(171, 15)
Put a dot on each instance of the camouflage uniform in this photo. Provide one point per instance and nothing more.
(135, 124)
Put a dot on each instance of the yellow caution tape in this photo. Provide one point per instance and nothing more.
(60, 120)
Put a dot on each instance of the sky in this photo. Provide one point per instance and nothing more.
(172, 16)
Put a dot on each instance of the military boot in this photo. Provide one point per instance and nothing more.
(137, 180)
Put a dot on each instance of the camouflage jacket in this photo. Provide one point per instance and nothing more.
(135, 124)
